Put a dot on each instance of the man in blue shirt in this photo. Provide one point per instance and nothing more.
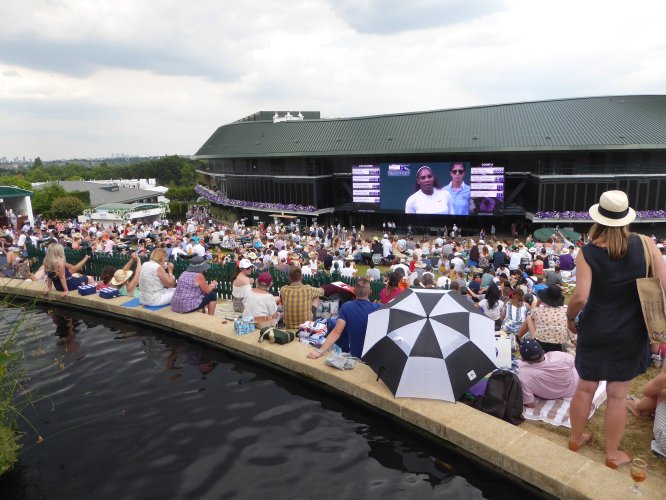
(349, 331)
(459, 191)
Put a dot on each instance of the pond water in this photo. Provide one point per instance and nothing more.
(131, 413)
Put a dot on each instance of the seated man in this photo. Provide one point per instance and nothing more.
(298, 300)
(548, 376)
(653, 402)
(349, 331)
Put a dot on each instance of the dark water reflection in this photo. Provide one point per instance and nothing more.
(132, 413)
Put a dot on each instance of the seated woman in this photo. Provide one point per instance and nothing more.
(193, 293)
(547, 322)
(60, 273)
(392, 289)
(157, 282)
(105, 277)
(653, 402)
(492, 305)
(515, 312)
(261, 304)
(242, 284)
(126, 280)
(120, 278)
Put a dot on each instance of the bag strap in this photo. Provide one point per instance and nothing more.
(649, 264)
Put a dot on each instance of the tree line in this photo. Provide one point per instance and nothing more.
(175, 172)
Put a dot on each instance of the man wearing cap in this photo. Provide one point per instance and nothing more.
(349, 331)
(299, 301)
(550, 375)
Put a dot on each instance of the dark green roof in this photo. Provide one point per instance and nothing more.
(591, 123)
(13, 192)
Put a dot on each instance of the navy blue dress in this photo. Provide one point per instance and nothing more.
(613, 343)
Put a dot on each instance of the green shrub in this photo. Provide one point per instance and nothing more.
(8, 449)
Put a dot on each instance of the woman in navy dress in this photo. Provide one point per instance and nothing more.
(613, 344)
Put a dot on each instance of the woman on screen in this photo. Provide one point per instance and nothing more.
(429, 197)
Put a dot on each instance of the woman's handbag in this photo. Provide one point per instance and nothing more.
(651, 295)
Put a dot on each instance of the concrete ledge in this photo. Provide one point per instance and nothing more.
(548, 466)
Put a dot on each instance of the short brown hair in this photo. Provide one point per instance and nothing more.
(363, 286)
(295, 274)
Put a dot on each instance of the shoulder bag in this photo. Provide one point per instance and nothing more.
(651, 295)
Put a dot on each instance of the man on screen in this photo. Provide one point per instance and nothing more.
(459, 191)
(429, 197)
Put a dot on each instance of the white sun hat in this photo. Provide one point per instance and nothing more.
(612, 210)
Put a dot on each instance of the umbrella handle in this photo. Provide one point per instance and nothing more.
(379, 372)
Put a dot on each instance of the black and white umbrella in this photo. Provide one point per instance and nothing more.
(429, 344)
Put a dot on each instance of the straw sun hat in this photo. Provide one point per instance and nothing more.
(612, 210)
(121, 276)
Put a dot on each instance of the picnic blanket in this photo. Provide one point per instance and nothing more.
(135, 303)
(556, 411)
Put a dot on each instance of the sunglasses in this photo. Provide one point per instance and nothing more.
(457, 171)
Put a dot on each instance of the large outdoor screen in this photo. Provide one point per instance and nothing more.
(436, 188)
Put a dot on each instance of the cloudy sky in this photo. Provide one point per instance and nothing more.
(90, 78)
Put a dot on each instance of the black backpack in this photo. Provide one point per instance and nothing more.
(503, 397)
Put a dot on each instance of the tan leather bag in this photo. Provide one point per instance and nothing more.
(651, 295)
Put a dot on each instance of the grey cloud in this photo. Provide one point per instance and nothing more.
(394, 16)
(47, 109)
(82, 58)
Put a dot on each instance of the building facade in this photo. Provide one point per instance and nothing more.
(557, 155)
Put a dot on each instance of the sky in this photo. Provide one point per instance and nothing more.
(93, 78)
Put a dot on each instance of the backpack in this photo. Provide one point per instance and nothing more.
(503, 397)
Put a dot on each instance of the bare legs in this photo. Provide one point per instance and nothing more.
(614, 418)
(580, 409)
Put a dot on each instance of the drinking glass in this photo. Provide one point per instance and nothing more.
(639, 473)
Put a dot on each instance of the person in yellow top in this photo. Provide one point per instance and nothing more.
(298, 300)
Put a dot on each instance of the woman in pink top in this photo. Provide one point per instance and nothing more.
(392, 289)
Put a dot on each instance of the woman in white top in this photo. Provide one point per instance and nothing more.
(157, 282)
(242, 284)
(492, 306)
(261, 305)
(429, 197)
(313, 262)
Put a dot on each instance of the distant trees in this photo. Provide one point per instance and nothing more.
(66, 207)
(43, 198)
(12, 180)
(169, 170)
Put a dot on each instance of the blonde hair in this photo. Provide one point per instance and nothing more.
(615, 238)
(54, 252)
(158, 255)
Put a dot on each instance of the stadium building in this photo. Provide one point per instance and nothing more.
(556, 156)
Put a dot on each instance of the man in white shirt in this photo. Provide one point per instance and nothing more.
(198, 248)
(458, 263)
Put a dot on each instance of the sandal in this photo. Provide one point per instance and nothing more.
(614, 463)
(577, 445)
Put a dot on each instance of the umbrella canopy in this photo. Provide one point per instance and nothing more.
(429, 343)
(546, 232)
